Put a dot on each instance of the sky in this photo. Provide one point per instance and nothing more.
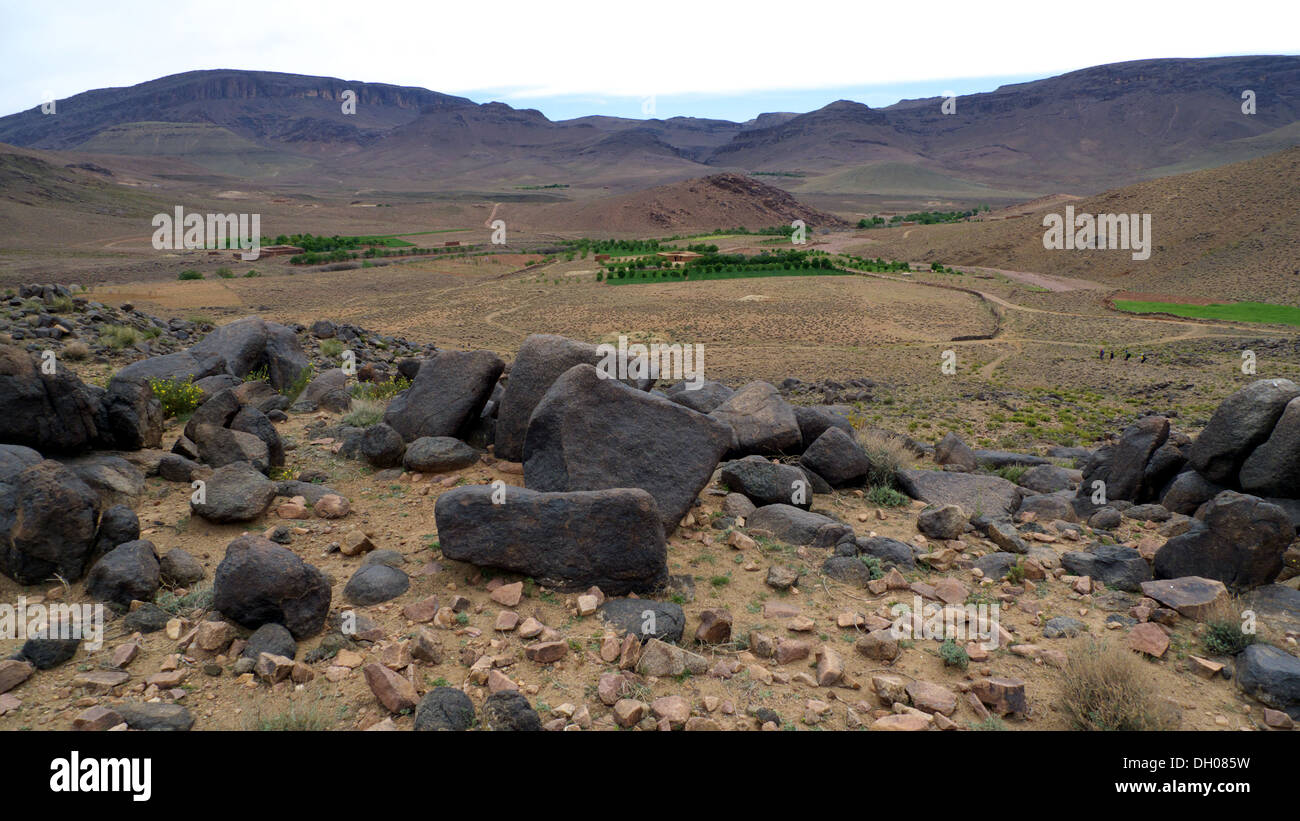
(714, 58)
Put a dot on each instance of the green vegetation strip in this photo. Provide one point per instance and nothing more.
(1230, 312)
(731, 273)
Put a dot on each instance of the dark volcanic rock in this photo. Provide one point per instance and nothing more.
(814, 420)
(787, 523)
(836, 457)
(438, 454)
(253, 344)
(270, 638)
(703, 399)
(1240, 424)
(48, 412)
(951, 450)
(1187, 492)
(259, 581)
(1239, 540)
(444, 708)
(542, 359)
(593, 433)
(375, 583)
(974, 493)
(768, 483)
(761, 420)
(158, 717)
(1118, 566)
(127, 572)
(448, 392)
(645, 618)
(1273, 468)
(610, 538)
(1270, 676)
(48, 520)
(509, 711)
(234, 493)
(382, 446)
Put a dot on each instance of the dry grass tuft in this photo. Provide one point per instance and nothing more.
(1104, 688)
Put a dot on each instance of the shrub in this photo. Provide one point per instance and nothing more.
(189, 274)
(331, 347)
(882, 496)
(304, 378)
(76, 351)
(364, 413)
(1103, 687)
(1223, 634)
(888, 455)
(380, 390)
(118, 337)
(953, 655)
(251, 273)
(225, 273)
(176, 397)
(60, 305)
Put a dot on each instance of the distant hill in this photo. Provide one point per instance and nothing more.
(1227, 233)
(1083, 131)
(717, 201)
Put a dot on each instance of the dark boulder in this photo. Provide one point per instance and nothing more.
(1117, 566)
(610, 538)
(448, 392)
(593, 433)
(49, 412)
(444, 709)
(837, 457)
(1238, 539)
(702, 399)
(438, 454)
(234, 493)
(259, 581)
(790, 524)
(761, 420)
(253, 345)
(48, 519)
(644, 618)
(1240, 424)
(1273, 468)
(768, 483)
(126, 573)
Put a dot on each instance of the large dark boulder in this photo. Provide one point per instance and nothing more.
(1273, 468)
(1117, 566)
(761, 420)
(814, 420)
(329, 390)
(438, 454)
(1271, 676)
(375, 583)
(49, 412)
(790, 524)
(118, 525)
(592, 433)
(509, 711)
(1187, 492)
(444, 709)
(837, 457)
(1241, 423)
(234, 493)
(613, 539)
(219, 447)
(977, 494)
(129, 417)
(382, 446)
(126, 573)
(768, 483)
(48, 519)
(251, 420)
(259, 582)
(951, 450)
(448, 392)
(1129, 458)
(702, 398)
(645, 618)
(542, 359)
(1236, 538)
(253, 344)
(178, 367)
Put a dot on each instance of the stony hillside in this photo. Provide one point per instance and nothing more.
(441, 540)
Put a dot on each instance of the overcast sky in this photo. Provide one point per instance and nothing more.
(698, 57)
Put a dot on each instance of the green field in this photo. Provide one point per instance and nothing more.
(732, 273)
(1230, 312)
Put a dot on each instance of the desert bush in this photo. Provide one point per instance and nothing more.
(1223, 635)
(176, 397)
(225, 273)
(888, 456)
(251, 273)
(380, 390)
(882, 496)
(954, 655)
(60, 305)
(299, 714)
(363, 413)
(295, 388)
(76, 350)
(1103, 687)
(189, 274)
(118, 337)
(331, 347)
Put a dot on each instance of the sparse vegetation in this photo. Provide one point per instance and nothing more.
(363, 413)
(177, 398)
(1103, 687)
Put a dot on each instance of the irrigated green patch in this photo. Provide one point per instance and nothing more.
(1229, 312)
